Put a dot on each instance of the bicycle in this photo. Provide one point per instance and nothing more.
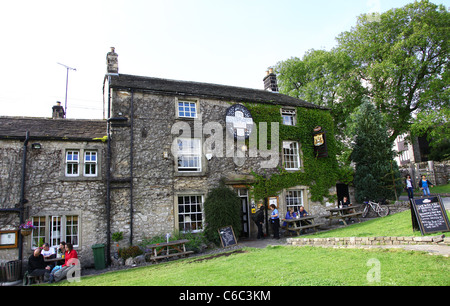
(381, 211)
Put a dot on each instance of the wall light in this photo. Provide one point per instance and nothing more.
(36, 146)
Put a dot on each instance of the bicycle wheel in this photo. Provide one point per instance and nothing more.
(382, 211)
(365, 211)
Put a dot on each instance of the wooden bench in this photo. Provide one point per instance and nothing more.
(170, 249)
(340, 213)
(298, 226)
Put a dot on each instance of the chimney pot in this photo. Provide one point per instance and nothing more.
(270, 81)
(112, 62)
(58, 111)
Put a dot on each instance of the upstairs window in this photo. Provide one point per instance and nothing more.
(72, 163)
(187, 109)
(90, 163)
(291, 156)
(189, 155)
(288, 116)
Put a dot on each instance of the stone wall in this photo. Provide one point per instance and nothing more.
(50, 193)
(156, 183)
(362, 241)
(437, 172)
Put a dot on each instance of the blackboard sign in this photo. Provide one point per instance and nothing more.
(227, 236)
(428, 215)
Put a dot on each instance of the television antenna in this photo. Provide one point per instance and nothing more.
(67, 84)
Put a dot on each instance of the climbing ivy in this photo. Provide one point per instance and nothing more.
(320, 174)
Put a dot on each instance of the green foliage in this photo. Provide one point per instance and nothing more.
(117, 236)
(222, 208)
(398, 59)
(372, 154)
(320, 174)
(131, 251)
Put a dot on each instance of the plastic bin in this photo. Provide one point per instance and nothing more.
(99, 256)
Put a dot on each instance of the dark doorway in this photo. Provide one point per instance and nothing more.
(243, 194)
(342, 191)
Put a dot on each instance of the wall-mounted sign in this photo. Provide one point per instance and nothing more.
(8, 239)
(320, 142)
(239, 121)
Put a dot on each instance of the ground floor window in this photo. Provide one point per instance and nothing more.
(294, 199)
(190, 213)
(54, 229)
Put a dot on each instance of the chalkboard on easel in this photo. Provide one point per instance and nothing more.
(429, 216)
(227, 236)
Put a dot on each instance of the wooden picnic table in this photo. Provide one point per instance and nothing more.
(343, 213)
(297, 225)
(169, 249)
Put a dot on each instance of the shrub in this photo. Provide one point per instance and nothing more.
(131, 251)
(222, 208)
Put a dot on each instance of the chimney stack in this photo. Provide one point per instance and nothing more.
(58, 111)
(270, 81)
(112, 62)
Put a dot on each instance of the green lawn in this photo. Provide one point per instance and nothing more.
(287, 266)
(393, 225)
(297, 266)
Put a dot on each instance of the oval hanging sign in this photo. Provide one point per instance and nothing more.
(239, 121)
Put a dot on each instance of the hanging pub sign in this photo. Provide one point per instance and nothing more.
(239, 121)
(428, 215)
(320, 142)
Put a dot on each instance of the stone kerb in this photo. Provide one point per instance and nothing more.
(361, 241)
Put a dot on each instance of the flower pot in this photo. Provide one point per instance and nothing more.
(26, 231)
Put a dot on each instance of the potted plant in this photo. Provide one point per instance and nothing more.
(117, 236)
(26, 228)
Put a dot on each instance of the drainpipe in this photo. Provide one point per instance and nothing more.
(22, 191)
(131, 166)
(108, 181)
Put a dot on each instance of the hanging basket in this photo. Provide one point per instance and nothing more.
(25, 231)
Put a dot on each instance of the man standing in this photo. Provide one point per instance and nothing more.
(258, 218)
(275, 220)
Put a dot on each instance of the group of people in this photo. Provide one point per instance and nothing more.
(275, 219)
(50, 270)
(423, 184)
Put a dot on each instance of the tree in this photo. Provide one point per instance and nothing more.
(222, 208)
(403, 58)
(324, 78)
(398, 60)
(375, 174)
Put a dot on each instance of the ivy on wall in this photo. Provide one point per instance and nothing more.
(320, 174)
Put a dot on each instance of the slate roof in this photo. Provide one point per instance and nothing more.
(51, 129)
(205, 90)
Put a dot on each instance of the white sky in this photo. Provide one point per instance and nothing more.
(230, 42)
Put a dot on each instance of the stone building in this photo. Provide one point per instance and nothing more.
(168, 144)
(63, 186)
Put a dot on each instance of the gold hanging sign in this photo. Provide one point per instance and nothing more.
(320, 145)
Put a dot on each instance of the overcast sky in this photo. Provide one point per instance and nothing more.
(230, 42)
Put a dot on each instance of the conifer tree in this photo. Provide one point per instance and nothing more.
(372, 155)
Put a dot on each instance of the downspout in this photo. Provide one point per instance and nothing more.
(22, 191)
(131, 165)
(108, 180)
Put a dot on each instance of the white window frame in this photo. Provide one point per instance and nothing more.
(91, 163)
(185, 110)
(189, 150)
(288, 116)
(59, 229)
(291, 155)
(72, 162)
(186, 222)
(294, 199)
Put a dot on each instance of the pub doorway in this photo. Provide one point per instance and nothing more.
(245, 212)
(342, 191)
